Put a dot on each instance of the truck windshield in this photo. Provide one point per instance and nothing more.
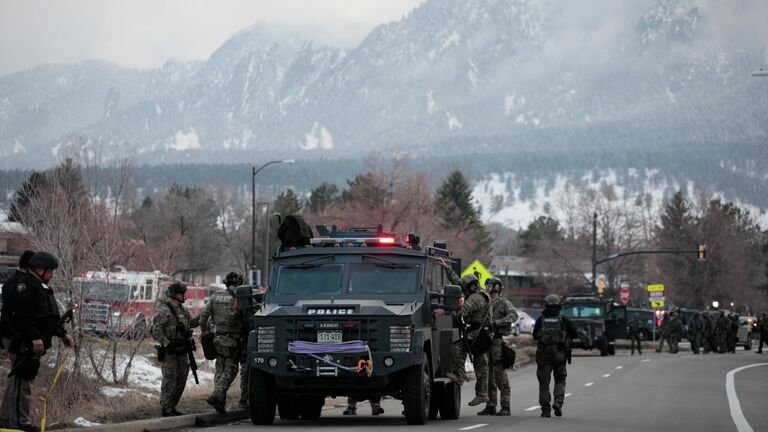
(322, 279)
(98, 290)
(583, 311)
(377, 278)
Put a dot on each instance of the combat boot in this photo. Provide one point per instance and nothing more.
(489, 410)
(478, 400)
(217, 403)
(558, 410)
(504, 411)
(376, 410)
(176, 413)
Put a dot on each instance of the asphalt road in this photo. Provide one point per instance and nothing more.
(681, 392)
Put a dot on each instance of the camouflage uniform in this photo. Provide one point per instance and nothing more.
(172, 330)
(696, 332)
(635, 328)
(721, 332)
(733, 333)
(551, 357)
(503, 314)
(475, 311)
(676, 331)
(244, 368)
(228, 322)
(707, 333)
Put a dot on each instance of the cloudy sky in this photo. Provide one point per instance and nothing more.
(146, 33)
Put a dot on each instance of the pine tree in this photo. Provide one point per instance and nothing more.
(322, 196)
(543, 229)
(453, 202)
(288, 203)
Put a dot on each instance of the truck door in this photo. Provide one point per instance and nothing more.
(616, 323)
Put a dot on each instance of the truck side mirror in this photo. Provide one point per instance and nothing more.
(452, 297)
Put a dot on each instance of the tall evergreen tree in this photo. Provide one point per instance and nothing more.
(453, 202)
(543, 229)
(321, 196)
(288, 203)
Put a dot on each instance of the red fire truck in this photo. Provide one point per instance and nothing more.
(124, 302)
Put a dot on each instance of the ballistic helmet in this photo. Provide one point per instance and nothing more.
(25, 257)
(494, 285)
(470, 283)
(43, 260)
(552, 300)
(233, 278)
(177, 288)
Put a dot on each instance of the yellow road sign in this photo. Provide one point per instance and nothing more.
(657, 287)
(478, 269)
(657, 303)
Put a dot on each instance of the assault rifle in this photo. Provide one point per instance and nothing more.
(192, 362)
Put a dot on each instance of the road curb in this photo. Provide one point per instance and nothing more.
(165, 423)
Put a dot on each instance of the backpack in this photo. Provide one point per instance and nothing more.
(552, 331)
(294, 231)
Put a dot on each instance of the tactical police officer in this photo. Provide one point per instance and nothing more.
(228, 322)
(34, 319)
(696, 332)
(553, 333)
(762, 328)
(722, 325)
(476, 312)
(376, 408)
(676, 331)
(172, 328)
(10, 285)
(634, 331)
(733, 333)
(503, 314)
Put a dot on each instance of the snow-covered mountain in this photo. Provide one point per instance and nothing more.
(481, 79)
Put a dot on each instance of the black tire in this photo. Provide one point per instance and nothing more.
(611, 349)
(437, 396)
(288, 409)
(261, 401)
(450, 402)
(604, 347)
(417, 392)
(748, 346)
(310, 408)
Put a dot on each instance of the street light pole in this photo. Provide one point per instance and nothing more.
(255, 171)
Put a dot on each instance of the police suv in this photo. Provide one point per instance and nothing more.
(355, 314)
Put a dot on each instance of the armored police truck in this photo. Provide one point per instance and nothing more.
(354, 313)
(598, 319)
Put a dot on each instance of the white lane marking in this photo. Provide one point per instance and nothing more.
(733, 400)
(619, 367)
(533, 408)
(568, 394)
(589, 384)
(645, 361)
(479, 425)
(606, 375)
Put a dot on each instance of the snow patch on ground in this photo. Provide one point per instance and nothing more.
(318, 137)
(85, 423)
(185, 141)
(453, 122)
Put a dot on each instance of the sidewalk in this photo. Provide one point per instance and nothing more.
(165, 423)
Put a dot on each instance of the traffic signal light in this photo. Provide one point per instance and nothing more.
(702, 252)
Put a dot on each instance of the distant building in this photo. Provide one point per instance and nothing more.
(12, 243)
(528, 280)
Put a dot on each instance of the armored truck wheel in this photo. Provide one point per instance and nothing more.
(611, 349)
(311, 407)
(417, 393)
(261, 401)
(288, 409)
(434, 403)
(450, 401)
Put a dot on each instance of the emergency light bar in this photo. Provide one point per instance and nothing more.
(346, 241)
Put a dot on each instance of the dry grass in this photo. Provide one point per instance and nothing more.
(82, 396)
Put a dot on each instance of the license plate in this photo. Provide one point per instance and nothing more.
(328, 336)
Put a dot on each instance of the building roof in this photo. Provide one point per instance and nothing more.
(12, 227)
(508, 265)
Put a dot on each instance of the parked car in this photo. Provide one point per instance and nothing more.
(524, 323)
(745, 332)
